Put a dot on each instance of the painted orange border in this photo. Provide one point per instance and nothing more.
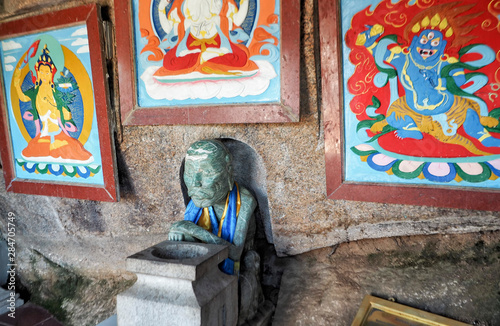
(90, 14)
(331, 106)
(287, 110)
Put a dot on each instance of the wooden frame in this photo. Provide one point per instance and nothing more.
(374, 310)
(338, 187)
(79, 59)
(286, 109)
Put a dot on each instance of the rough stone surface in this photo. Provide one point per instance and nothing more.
(91, 239)
(455, 276)
(73, 297)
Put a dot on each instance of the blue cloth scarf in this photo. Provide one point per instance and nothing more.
(228, 228)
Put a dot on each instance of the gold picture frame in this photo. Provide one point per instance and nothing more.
(379, 312)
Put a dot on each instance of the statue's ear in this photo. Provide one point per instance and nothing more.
(229, 169)
(229, 165)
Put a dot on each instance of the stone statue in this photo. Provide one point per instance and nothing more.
(220, 211)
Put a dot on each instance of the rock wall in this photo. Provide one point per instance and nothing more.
(91, 239)
(454, 276)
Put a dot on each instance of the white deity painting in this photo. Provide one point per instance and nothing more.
(207, 51)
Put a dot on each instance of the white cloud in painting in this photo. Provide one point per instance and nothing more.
(9, 67)
(10, 45)
(9, 59)
(83, 49)
(80, 41)
(206, 86)
(80, 32)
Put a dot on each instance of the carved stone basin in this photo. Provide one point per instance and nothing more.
(179, 283)
(177, 259)
(178, 251)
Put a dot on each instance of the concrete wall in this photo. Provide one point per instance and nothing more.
(91, 239)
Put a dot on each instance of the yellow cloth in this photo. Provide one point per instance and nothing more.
(204, 220)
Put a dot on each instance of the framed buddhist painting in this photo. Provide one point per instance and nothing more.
(411, 101)
(208, 61)
(379, 312)
(55, 132)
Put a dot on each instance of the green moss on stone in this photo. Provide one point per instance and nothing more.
(57, 286)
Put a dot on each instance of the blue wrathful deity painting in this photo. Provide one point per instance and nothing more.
(422, 81)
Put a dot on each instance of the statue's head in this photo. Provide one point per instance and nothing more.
(208, 172)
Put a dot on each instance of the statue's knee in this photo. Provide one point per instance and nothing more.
(251, 295)
(251, 261)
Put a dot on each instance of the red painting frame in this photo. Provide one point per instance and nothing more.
(90, 15)
(332, 100)
(287, 110)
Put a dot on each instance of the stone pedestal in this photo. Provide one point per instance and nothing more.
(179, 283)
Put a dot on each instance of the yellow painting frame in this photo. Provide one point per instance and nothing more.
(376, 311)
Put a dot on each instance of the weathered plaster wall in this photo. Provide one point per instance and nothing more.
(94, 238)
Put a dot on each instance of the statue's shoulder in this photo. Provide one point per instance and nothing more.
(247, 199)
(245, 193)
